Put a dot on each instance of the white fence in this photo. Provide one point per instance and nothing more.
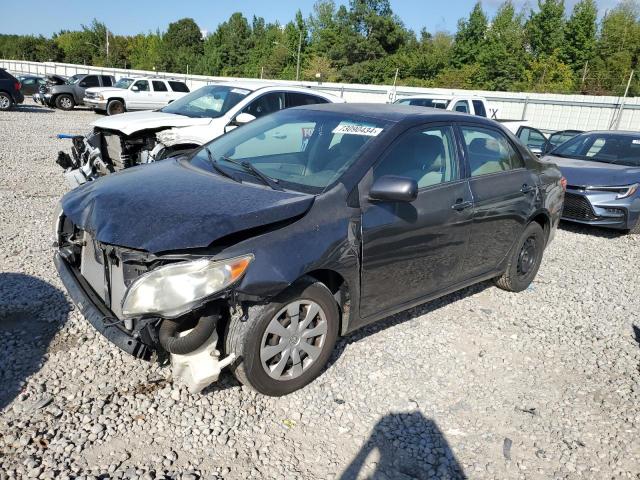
(542, 110)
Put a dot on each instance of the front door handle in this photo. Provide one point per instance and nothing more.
(460, 205)
(527, 188)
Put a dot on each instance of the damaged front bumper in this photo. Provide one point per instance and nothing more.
(97, 314)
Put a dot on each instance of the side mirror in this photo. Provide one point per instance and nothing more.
(243, 118)
(537, 151)
(391, 188)
(134, 89)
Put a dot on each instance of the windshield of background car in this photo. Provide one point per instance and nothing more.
(124, 83)
(603, 147)
(212, 101)
(73, 80)
(426, 102)
(304, 150)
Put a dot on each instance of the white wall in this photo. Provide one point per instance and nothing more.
(546, 111)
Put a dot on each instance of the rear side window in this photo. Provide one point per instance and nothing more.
(178, 86)
(478, 106)
(489, 151)
(91, 81)
(159, 86)
(297, 99)
(106, 81)
(266, 104)
(425, 155)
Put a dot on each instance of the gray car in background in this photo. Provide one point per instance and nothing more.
(67, 93)
(602, 170)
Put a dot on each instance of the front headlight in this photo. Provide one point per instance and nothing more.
(175, 289)
(622, 192)
(99, 97)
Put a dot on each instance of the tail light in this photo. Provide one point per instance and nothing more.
(563, 182)
(18, 85)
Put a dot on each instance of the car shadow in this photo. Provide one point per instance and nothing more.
(591, 230)
(636, 333)
(404, 446)
(31, 313)
(405, 316)
(32, 109)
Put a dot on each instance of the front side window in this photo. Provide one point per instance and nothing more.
(461, 106)
(425, 155)
(303, 150)
(478, 106)
(489, 151)
(143, 85)
(212, 101)
(91, 81)
(532, 138)
(266, 104)
(159, 86)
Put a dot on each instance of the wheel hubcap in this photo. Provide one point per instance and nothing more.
(66, 103)
(4, 102)
(293, 340)
(527, 257)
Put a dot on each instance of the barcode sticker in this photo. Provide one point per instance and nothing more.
(357, 130)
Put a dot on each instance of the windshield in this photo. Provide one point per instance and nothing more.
(211, 101)
(442, 103)
(615, 148)
(74, 79)
(303, 150)
(124, 83)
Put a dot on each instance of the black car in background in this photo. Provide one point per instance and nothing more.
(10, 93)
(31, 84)
(276, 238)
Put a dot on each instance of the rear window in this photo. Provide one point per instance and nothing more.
(178, 86)
(425, 102)
(295, 99)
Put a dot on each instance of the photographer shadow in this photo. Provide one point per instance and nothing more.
(404, 446)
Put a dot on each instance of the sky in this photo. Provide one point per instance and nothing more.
(128, 18)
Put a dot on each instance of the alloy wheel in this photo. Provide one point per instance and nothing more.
(65, 102)
(5, 103)
(293, 340)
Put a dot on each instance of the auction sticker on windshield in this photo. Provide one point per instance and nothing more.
(239, 91)
(357, 130)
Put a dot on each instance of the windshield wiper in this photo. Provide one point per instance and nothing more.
(217, 167)
(267, 180)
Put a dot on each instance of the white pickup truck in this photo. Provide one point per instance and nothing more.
(470, 104)
(141, 93)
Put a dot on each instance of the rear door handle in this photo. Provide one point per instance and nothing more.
(527, 188)
(460, 205)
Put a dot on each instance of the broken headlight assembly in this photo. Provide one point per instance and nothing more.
(172, 290)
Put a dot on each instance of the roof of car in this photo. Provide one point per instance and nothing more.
(395, 113)
(439, 96)
(630, 133)
(257, 85)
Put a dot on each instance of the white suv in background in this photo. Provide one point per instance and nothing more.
(143, 93)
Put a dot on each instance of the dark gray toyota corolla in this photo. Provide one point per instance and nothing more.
(264, 246)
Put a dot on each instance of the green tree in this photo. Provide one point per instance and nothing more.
(545, 28)
(182, 45)
(580, 35)
(470, 37)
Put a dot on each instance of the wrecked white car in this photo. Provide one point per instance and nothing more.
(137, 138)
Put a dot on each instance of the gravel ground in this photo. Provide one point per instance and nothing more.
(479, 384)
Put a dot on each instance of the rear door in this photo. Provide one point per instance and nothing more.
(140, 99)
(161, 95)
(411, 250)
(504, 193)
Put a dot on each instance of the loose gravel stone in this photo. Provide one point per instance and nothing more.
(429, 393)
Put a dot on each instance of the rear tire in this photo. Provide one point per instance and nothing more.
(5, 101)
(115, 107)
(280, 351)
(65, 102)
(525, 260)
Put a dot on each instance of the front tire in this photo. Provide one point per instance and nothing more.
(525, 260)
(115, 107)
(284, 345)
(65, 102)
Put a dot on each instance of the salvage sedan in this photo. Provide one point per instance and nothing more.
(603, 179)
(261, 248)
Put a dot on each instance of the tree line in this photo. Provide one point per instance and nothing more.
(548, 49)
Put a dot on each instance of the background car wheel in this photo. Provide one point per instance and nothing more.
(284, 345)
(65, 102)
(115, 107)
(525, 260)
(5, 101)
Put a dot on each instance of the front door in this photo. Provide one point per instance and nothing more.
(140, 98)
(504, 194)
(413, 249)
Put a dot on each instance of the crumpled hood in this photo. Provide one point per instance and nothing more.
(584, 173)
(172, 205)
(56, 79)
(129, 123)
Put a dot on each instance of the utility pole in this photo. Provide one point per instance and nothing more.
(620, 111)
(299, 50)
(584, 74)
(107, 43)
(395, 79)
(261, 73)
